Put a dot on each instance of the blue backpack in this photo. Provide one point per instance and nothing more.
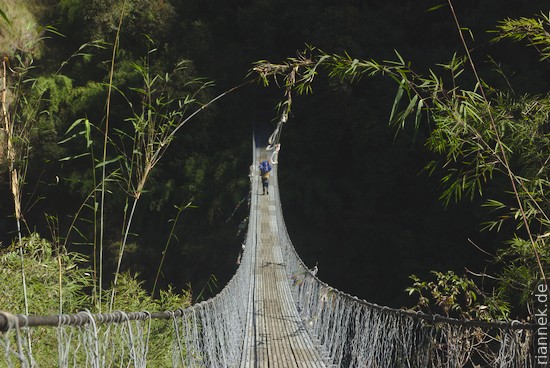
(265, 167)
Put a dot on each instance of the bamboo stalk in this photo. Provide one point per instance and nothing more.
(14, 183)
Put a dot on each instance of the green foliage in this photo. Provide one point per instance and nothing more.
(43, 103)
(518, 278)
(455, 296)
(154, 122)
(44, 267)
(142, 17)
(20, 31)
(132, 296)
(3, 15)
(86, 97)
(534, 30)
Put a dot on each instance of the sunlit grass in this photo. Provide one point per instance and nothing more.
(23, 32)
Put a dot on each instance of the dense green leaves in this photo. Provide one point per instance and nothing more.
(534, 30)
(142, 17)
(458, 297)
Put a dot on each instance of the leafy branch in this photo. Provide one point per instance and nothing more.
(535, 30)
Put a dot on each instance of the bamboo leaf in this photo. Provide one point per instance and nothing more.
(402, 61)
(87, 126)
(75, 124)
(396, 101)
(54, 31)
(69, 138)
(69, 158)
(433, 8)
(3, 15)
(107, 162)
(418, 114)
(410, 107)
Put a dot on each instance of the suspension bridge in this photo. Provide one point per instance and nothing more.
(274, 312)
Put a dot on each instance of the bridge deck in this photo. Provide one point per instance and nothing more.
(275, 336)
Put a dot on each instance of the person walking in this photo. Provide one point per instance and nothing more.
(265, 182)
(265, 170)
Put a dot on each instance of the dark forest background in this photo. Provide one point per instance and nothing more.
(354, 195)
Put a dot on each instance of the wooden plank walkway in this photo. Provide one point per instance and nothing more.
(275, 335)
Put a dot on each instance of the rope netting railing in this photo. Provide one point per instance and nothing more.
(207, 334)
(355, 333)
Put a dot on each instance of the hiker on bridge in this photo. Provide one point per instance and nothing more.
(265, 170)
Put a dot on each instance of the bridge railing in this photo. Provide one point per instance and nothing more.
(355, 333)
